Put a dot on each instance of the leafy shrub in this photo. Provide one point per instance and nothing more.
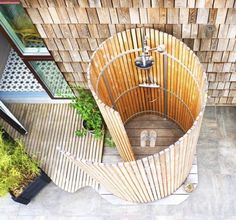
(86, 106)
(17, 169)
(108, 140)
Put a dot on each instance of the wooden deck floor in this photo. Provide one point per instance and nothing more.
(167, 133)
(52, 126)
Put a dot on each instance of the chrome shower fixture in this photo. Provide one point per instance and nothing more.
(145, 61)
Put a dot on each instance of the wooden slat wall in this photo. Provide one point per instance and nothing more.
(186, 89)
(73, 30)
(122, 74)
(150, 178)
(117, 129)
(159, 175)
(47, 131)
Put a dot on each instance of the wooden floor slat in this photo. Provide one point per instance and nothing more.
(51, 126)
(167, 133)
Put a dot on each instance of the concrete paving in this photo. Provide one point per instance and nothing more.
(214, 199)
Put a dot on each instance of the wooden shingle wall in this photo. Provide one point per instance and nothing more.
(73, 29)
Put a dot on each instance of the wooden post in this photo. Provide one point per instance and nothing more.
(165, 78)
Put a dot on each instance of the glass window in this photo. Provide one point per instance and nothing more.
(20, 28)
(52, 78)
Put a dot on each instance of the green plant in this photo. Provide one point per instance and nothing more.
(86, 106)
(17, 169)
(109, 142)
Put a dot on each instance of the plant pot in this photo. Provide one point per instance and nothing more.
(32, 189)
(7, 137)
(90, 130)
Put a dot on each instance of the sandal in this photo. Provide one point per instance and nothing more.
(143, 138)
(152, 138)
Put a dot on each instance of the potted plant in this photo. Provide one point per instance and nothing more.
(86, 106)
(19, 174)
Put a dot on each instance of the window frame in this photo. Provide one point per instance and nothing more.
(25, 51)
(32, 57)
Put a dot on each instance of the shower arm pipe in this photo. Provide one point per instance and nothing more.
(164, 53)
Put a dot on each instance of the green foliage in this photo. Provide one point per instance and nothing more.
(109, 142)
(16, 167)
(86, 106)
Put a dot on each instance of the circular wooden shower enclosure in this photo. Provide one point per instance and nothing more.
(181, 97)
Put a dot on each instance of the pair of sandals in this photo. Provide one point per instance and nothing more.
(148, 136)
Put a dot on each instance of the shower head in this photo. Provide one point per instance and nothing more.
(144, 61)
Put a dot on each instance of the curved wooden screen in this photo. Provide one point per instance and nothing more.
(150, 178)
(114, 82)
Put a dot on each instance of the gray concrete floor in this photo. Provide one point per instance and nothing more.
(215, 197)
